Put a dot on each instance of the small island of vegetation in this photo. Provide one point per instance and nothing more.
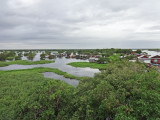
(123, 90)
(24, 62)
(87, 64)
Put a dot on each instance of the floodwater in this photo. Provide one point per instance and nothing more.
(151, 53)
(52, 75)
(61, 64)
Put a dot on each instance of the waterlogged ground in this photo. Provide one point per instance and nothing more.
(61, 64)
(52, 75)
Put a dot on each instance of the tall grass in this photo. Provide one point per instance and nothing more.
(24, 62)
(17, 87)
(87, 64)
(43, 69)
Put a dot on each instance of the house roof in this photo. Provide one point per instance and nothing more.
(157, 56)
(144, 56)
(133, 53)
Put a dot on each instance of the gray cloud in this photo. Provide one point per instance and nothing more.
(155, 27)
(79, 24)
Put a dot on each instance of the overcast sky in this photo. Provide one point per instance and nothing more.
(79, 24)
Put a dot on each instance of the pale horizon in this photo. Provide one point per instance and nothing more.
(83, 24)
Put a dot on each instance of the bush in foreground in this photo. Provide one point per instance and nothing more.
(123, 91)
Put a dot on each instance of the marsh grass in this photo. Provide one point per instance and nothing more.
(87, 64)
(17, 87)
(43, 69)
(24, 62)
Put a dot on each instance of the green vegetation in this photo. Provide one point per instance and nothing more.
(139, 51)
(18, 58)
(101, 63)
(114, 58)
(10, 58)
(43, 69)
(25, 90)
(22, 88)
(42, 56)
(123, 91)
(31, 55)
(24, 62)
(51, 101)
(87, 64)
(7, 55)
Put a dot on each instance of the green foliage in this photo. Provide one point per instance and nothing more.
(24, 62)
(114, 58)
(125, 51)
(26, 94)
(139, 51)
(130, 57)
(87, 64)
(10, 58)
(2, 57)
(51, 57)
(7, 55)
(26, 54)
(42, 56)
(102, 60)
(43, 69)
(122, 91)
(18, 58)
(20, 54)
(16, 89)
(31, 55)
(52, 102)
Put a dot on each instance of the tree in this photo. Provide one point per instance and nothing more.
(2, 57)
(139, 51)
(18, 58)
(51, 102)
(114, 58)
(124, 91)
(42, 56)
(102, 60)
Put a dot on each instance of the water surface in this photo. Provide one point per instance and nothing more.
(52, 75)
(61, 64)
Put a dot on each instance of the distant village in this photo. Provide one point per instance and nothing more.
(93, 56)
(148, 59)
(142, 57)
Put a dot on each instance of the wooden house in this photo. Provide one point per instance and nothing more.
(155, 60)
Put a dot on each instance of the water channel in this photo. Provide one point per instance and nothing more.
(61, 64)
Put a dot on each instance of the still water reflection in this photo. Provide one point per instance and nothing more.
(72, 82)
(61, 64)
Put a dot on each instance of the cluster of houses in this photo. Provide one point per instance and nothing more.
(91, 58)
(142, 57)
(154, 60)
(150, 60)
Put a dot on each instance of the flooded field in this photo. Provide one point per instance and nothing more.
(61, 64)
(52, 75)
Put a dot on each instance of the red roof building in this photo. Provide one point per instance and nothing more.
(155, 59)
(144, 56)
